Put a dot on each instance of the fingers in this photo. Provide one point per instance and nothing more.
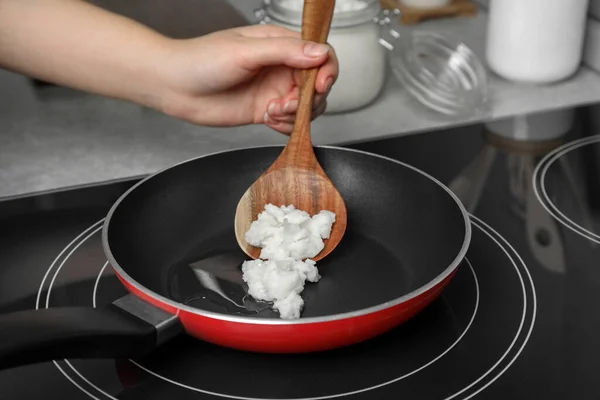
(269, 45)
(289, 104)
(281, 114)
(254, 54)
(286, 126)
(319, 110)
(328, 73)
(327, 76)
(266, 31)
(280, 126)
(285, 112)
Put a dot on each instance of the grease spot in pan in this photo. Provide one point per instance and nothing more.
(215, 283)
(360, 273)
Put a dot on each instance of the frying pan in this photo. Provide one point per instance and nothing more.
(407, 234)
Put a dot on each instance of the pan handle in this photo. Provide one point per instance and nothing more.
(128, 327)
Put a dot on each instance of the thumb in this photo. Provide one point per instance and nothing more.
(295, 53)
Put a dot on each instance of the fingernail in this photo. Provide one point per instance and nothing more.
(328, 84)
(266, 117)
(312, 49)
(290, 106)
(274, 109)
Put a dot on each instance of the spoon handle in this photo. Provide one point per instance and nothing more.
(316, 22)
(316, 19)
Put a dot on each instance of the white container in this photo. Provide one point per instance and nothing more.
(425, 4)
(537, 41)
(354, 35)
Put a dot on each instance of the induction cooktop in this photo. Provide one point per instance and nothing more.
(518, 320)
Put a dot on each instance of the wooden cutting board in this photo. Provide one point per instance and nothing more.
(411, 15)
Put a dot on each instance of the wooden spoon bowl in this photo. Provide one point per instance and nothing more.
(296, 177)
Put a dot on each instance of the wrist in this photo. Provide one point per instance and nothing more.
(171, 90)
(151, 75)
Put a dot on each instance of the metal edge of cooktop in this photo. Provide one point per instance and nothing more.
(70, 189)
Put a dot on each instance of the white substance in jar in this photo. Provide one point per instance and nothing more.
(340, 5)
(362, 67)
(287, 236)
(361, 58)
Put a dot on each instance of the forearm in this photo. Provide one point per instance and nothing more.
(73, 43)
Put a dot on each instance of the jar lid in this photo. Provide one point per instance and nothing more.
(440, 72)
(346, 12)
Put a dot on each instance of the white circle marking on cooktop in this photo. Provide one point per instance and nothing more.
(97, 282)
(98, 229)
(533, 316)
(63, 263)
(374, 387)
(431, 362)
(475, 308)
(77, 384)
(545, 165)
(41, 289)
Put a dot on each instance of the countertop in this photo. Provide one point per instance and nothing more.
(53, 138)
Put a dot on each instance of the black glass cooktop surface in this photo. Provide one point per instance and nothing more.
(518, 320)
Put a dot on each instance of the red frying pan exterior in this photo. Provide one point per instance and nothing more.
(296, 338)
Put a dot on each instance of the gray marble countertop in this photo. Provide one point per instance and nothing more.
(55, 138)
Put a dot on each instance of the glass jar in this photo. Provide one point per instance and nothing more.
(354, 35)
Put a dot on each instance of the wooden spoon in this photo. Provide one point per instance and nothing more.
(296, 177)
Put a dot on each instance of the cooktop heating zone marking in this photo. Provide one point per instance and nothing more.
(475, 308)
(539, 180)
(86, 235)
(94, 229)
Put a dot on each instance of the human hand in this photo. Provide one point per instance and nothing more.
(243, 76)
(228, 78)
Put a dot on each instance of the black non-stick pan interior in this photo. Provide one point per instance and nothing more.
(403, 231)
